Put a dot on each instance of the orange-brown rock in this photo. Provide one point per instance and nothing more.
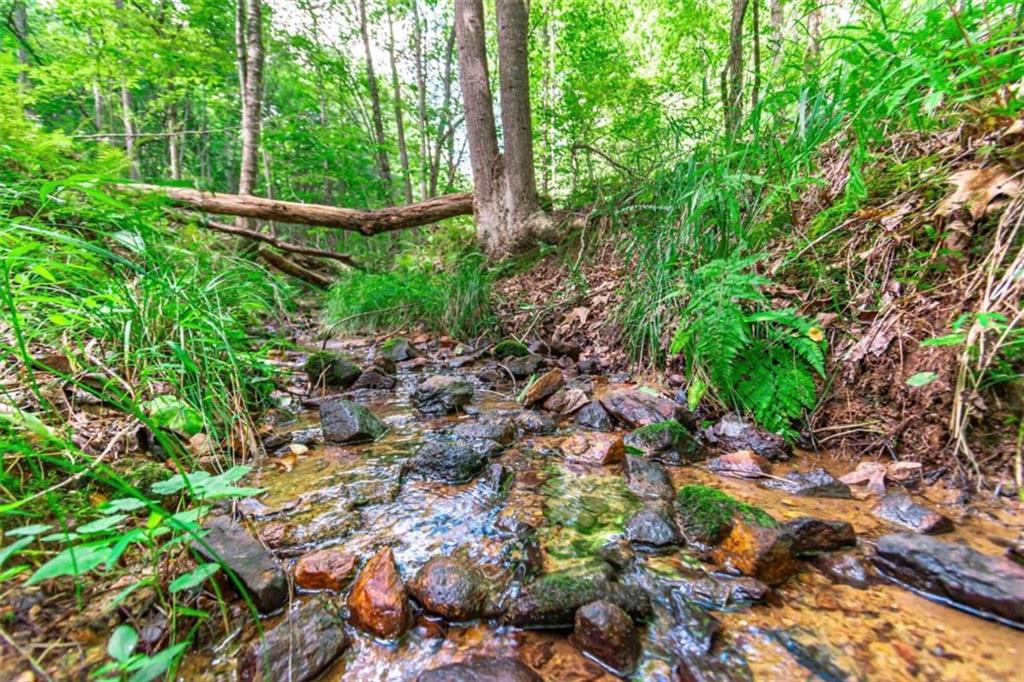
(327, 569)
(763, 552)
(543, 387)
(377, 603)
(594, 448)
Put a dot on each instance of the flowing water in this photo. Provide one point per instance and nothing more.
(353, 498)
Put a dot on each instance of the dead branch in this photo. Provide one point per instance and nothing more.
(290, 267)
(279, 243)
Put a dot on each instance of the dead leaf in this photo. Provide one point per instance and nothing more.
(980, 191)
(286, 463)
(872, 473)
(901, 471)
(199, 445)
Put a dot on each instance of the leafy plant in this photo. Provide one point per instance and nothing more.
(747, 355)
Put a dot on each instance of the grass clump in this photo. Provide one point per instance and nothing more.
(708, 513)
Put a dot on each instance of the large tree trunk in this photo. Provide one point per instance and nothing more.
(366, 222)
(383, 165)
(403, 151)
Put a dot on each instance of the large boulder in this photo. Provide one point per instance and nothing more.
(260, 573)
(452, 587)
(398, 350)
(951, 572)
(447, 461)
(377, 603)
(344, 421)
(552, 600)
(732, 432)
(544, 386)
(441, 394)
(666, 441)
(334, 370)
(298, 648)
(607, 633)
(899, 509)
(636, 407)
(325, 569)
(648, 479)
(482, 669)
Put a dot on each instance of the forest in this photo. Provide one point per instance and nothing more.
(512, 340)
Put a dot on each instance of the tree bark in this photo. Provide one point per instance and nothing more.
(19, 17)
(252, 90)
(444, 128)
(421, 97)
(383, 165)
(733, 83)
(366, 222)
(403, 151)
(755, 95)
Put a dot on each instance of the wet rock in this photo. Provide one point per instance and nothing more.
(763, 552)
(509, 348)
(398, 350)
(374, 378)
(344, 421)
(648, 479)
(951, 571)
(565, 401)
(819, 535)
(447, 461)
(308, 436)
(524, 367)
(814, 483)
(387, 365)
(275, 439)
(666, 441)
(741, 464)
(257, 568)
(694, 629)
(442, 394)
(637, 407)
(452, 587)
(719, 591)
(377, 603)
(653, 528)
(708, 513)
(326, 368)
(807, 649)
(588, 366)
(732, 432)
(552, 600)
(482, 669)
(494, 476)
(594, 416)
(595, 449)
(899, 509)
(534, 423)
(544, 386)
(619, 554)
(845, 568)
(498, 429)
(607, 633)
(299, 648)
(491, 376)
(326, 569)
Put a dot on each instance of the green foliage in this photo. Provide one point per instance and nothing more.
(507, 348)
(750, 357)
(708, 513)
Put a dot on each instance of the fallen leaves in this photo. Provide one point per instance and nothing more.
(874, 474)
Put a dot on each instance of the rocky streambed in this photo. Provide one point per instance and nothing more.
(440, 513)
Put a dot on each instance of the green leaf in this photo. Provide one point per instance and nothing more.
(10, 549)
(157, 665)
(33, 530)
(694, 392)
(947, 340)
(101, 524)
(72, 561)
(169, 412)
(122, 642)
(922, 379)
(193, 578)
(126, 504)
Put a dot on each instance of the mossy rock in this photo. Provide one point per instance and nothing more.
(510, 348)
(667, 441)
(398, 350)
(331, 369)
(708, 513)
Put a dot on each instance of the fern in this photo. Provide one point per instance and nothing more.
(753, 358)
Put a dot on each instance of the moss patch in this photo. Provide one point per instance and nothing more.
(510, 348)
(708, 513)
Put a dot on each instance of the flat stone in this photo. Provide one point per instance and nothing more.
(814, 483)
(812, 535)
(635, 407)
(565, 400)
(595, 449)
(552, 599)
(442, 394)
(344, 421)
(452, 587)
(446, 461)
(594, 416)
(544, 386)
(898, 508)
(257, 568)
(374, 378)
(325, 569)
(732, 432)
(524, 367)
(489, 427)
(607, 633)
(299, 648)
(740, 464)
(648, 479)
(653, 528)
(763, 552)
(667, 441)
(845, 568)
(991, 585)
(482, 669)
(377, 603)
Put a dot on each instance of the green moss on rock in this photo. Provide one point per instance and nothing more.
(510, 348)
(667, 441)
(331, 369)
(708, 513)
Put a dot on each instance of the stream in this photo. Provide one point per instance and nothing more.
(533, 510)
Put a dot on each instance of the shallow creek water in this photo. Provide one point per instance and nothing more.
(353, 498)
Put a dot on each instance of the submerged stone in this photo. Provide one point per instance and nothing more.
(259, 571)
(299, 648)
(452, 587)
(442, 394)
(447, 461)
(807, 649)
(607, 633)
(334, 370)
(898, 508)
(666, 441)
(482, 669)
(344, 421)
(732, 432)
(377, 603)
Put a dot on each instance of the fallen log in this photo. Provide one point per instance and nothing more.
(367, 222)
(290, 267)
(279, 243)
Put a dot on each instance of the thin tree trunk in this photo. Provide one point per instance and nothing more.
(403, 151)
(19, 17)
(733, 82)
(814, 28)
(444, 134)
(421, 95)
(173, 150)
(378, 120)
(250, 51)
(756, 25)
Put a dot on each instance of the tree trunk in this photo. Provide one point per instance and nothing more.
(290, 267)
(383, 165)
(19, 17)
(756, 25)
(97, 107)
(173, 148)
(366, 222)
(252, 90)
(444, 128)
(421, 94)
(733, 83)
(403, 151)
